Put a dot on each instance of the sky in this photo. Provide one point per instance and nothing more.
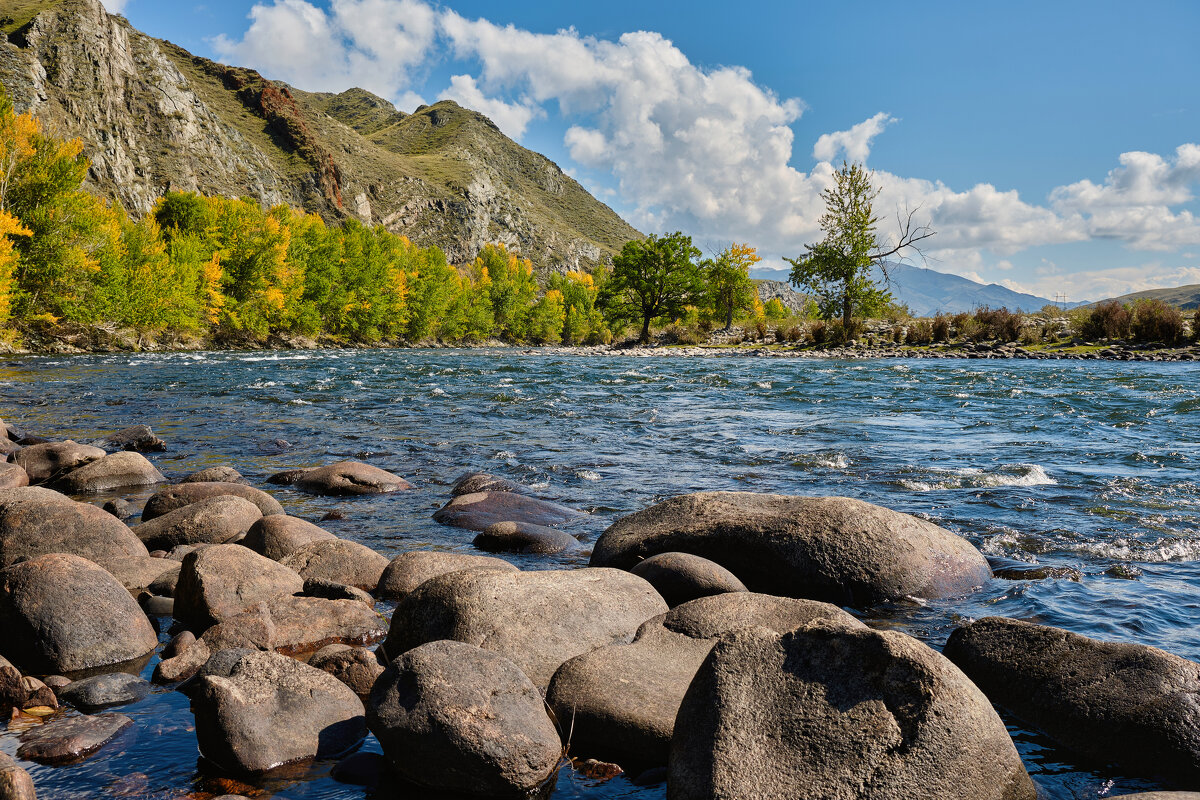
(1054, 147)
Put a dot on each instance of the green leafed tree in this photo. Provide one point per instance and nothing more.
(837, 271)
(728, 283)
(652, 277)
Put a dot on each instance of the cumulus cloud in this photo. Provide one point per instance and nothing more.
(1099, 284)
(114, 6)
(855, 143)
(512, 118)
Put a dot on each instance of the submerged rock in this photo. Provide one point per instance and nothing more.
(182, 494)
(214, 475)
(834, 549)
(101, 691)
(473, 482)
(348, 478)
(680, 577)
(480, 510)
(409, 570)
(139, 438)
(71, 739)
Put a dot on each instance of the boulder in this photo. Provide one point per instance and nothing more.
(524, 537)
(480, 510)
(137, 573)
(102, 691)
(182, 494)
(12, 476)
(61, 613)
(340, 561)
(12, 693)
(70, 739)
(473, 482)
(44, 461)
(278, 536)
(680, 577)
(272, 710)
(222, 580)
(538, 620)
(36, 521)
(38, 693)
(332, 590)
(837, 711)
(347, 478)
(121, 508)
(164, 585)
(115, 471)
(215, 475)
(139, 439)
(1128, 704)
(213, 520)
(457, 718)
(835, 549)
(409, 570)
(7, 446)
(15, 783)
(618, 703)
(357, 667)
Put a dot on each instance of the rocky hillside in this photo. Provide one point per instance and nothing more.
(153, 118)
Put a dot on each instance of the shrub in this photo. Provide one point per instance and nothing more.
(941, 328)
(706, 325)
(819, 332)
(760, 327)
(775, 309)
(793, 333)
(1196, 325)
(679, 334)
(920, 332)
(897, 334)
(1111, 320)
(897, 312)
(1032, 335)
(999, 323)
(1155, 321)
(840, 333)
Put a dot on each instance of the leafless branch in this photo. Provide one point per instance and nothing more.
(908, 238)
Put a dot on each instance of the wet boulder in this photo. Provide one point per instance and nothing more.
(121, 508)
(480, 510)
(214, 475)
(45, 461)
(357, 667)
(409, 570)
(68, 740)
(12, 476)
(61, 613)
(103, 691)
(138, 439)
(474, 482)
(1128, 704)
(835, 549)
(213, 520)
(618, 703)
(36, 521)
(339, 560)
(280, 535)
(538, 620)
(15, 783)
(12, 693)
(349, 478)
(272, 710)
(835, 711)
(181, 494)
(114, 471)
(526, 538)
(457, 718)
(222, 580)
(680, 577)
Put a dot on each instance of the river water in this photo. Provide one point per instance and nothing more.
(1086, 465)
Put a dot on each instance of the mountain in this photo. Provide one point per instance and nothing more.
(1185, 297)
(152, 117)
(926, 291)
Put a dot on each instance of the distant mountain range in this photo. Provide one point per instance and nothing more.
(1186, 297)
(927, 291)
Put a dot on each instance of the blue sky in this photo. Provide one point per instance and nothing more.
(1055, 147)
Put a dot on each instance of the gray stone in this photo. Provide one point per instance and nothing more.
(331, 590)
(121, 508)
(37, 693)
(213, 520)
(340, 561)
(61, 613)
(279, 535)
(834, 549)
(182, 494)
(115, 471)
(680, 577)
(272, 710)
(480, 510)
(357, 667)
(215, 475)
(101, 691)
(348, 478)
(473, 482)
(838, 712)
(1128, 704)
(166, 582)
(71, 739)
(44, 461)
(12, 693)
(458, 718)
(139, 439)
(226, 579)
(36, 521)
(618, 703)
(12, 476)
(178, 644)
(409, 570)
(524, 537)
(538, 620)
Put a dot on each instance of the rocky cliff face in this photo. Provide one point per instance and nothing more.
(154, 118)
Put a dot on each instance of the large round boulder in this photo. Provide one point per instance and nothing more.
(172, 497)
(61, 613)
(526, 538)
(457, 718)
(272, 710)
(213, 520)
(280, 535)
(348, 478)
(120, 470)
(836, 549)
(618, 703)
(12, 476)
(340, 561)
(15, 783)
(480, 510)
(222, 580)
(409, 570)
(1128, 704)
(45, 461)
(837, 711)
(36, 521)
(680, 577)
(538, 620)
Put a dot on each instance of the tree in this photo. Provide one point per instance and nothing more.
(837, 270)
(728, 280)
(654, 276)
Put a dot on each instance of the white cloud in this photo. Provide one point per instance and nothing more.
(854, 143)
(1099, 284)
(512, 118)
(114, 6)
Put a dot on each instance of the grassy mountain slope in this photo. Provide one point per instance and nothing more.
(1185, 297)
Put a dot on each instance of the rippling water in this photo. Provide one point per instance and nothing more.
(1085, 465)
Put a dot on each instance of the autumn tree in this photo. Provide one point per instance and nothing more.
(838, 269)
(652, 277)
(727, 280)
